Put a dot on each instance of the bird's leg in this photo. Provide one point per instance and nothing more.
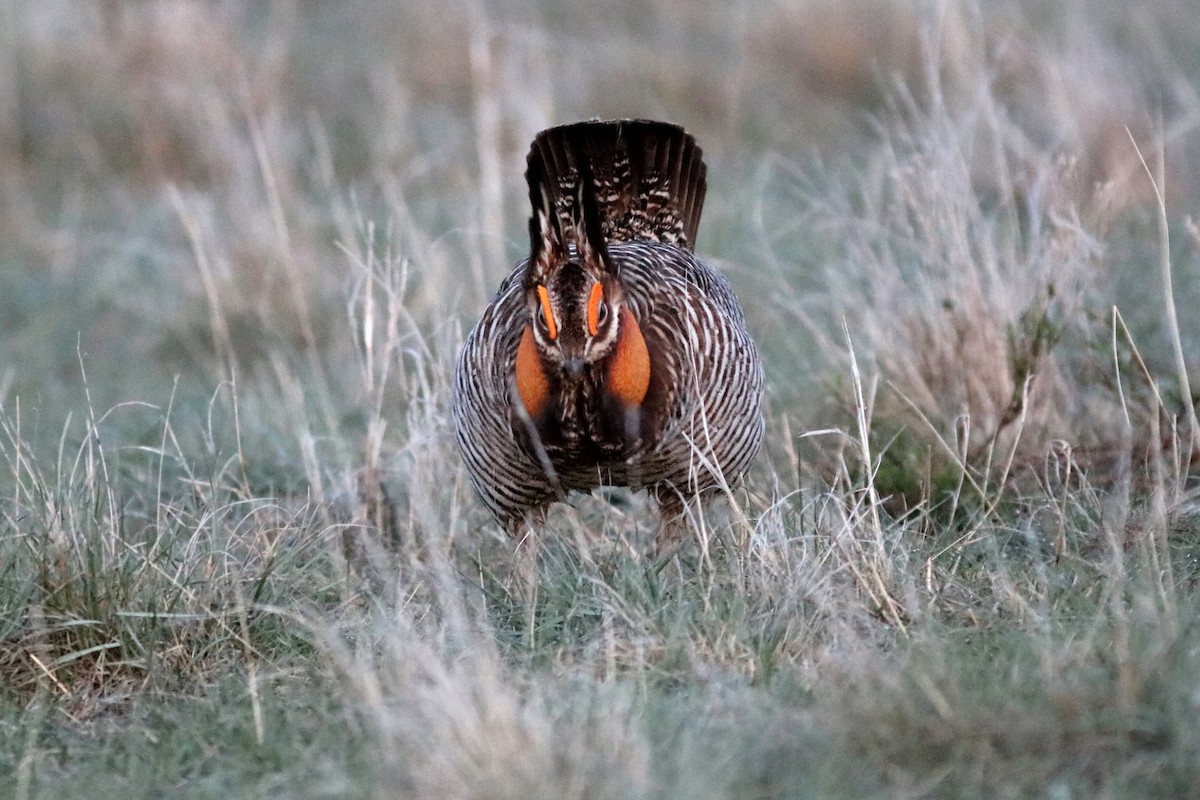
(673, 523)
(525, 530)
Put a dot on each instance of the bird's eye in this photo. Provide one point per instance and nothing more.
(597, 309)
(545, 314)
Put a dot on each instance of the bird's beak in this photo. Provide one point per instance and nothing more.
(573, 367)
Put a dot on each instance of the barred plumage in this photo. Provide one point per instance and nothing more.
(612, 356)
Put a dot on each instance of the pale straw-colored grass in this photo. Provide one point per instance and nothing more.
(239, 249)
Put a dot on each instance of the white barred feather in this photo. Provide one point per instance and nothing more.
(715, 426)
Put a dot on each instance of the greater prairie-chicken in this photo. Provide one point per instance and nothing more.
(612, 356)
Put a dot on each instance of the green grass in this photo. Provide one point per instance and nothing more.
(240, 249)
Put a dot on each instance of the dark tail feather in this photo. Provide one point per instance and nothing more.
(646, 180)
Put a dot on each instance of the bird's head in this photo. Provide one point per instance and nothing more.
(575, 318)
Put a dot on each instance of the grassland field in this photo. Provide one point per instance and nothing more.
(240, 245)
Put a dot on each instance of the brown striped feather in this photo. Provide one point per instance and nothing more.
(673, 401)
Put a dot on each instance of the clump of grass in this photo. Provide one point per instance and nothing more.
(111, 585)
(974, 275)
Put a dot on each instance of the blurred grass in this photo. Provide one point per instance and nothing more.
(239, 246)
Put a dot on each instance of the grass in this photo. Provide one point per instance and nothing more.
(238, 554)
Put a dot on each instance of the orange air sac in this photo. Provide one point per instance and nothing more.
(532, 384)
(629, 369)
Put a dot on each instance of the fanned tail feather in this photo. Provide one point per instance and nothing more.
(646, 180)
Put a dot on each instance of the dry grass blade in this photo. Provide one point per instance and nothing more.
(1168, 289)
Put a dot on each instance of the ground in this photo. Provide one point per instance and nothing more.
(240, 246)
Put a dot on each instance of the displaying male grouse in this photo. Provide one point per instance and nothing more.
(612, 356)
